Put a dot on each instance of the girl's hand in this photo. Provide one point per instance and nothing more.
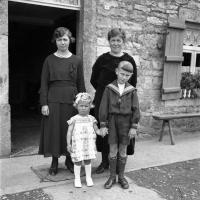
(45, 110)
(98, 132)
(103, 131)
(69, 148)
(132, 133)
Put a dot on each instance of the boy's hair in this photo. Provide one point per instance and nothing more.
(126, 66)
(84, 97)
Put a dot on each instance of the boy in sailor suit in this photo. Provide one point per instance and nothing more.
(119, 115)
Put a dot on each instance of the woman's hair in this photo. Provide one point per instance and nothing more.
(83, 97)
(117, 32)
(59, 32)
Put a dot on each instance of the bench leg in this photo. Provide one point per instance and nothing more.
(162, 131)
(171, 133)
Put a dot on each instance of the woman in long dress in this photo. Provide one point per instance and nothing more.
(103, 73)
(62, 78)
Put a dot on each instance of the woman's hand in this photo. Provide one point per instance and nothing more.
(69, 148)
(45, 110)
(132, 133)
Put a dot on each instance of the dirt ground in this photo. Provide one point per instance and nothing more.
(177, 181)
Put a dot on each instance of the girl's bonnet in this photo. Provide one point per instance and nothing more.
(84, 97)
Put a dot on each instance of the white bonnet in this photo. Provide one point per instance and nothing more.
(83, 96)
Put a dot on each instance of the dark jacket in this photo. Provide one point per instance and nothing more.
(114, 103)
(103, 73)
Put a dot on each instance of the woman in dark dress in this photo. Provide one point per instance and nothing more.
(61, 79)
(103, 73)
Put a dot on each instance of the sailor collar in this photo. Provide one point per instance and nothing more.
(114, 87)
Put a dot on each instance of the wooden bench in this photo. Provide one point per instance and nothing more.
(166, 120)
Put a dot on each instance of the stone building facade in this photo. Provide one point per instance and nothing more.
(146, 23)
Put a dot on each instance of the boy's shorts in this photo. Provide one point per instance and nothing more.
(118, 128)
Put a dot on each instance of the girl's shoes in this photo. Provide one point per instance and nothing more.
(89, 182)
(77, 183)
(88, 171)
(77, 180)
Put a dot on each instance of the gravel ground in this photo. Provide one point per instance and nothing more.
(177, 181)
(37, 194)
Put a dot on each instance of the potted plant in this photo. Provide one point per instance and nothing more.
(186, 81)
(196, 90)
(190, 85)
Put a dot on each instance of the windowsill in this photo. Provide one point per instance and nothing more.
(183, 102)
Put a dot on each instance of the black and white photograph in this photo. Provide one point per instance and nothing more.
(99, 99)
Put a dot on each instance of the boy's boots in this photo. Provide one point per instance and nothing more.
(121, 167)
(88, 171)
(112, 179)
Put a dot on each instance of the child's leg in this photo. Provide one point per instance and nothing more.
(77, 171)
(121, 166)
(88, 171)
(113, 163)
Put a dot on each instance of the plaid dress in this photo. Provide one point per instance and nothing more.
(83, 138)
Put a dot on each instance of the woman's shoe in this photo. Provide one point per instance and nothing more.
(102, 167)
(69, 164)
(53, 171)
(54, 167)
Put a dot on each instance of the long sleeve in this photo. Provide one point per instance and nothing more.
(95, 73)
(80, 78)
(104, 108)
(44, 84)
(135, 109)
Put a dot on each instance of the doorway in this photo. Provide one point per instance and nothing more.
(30, 31)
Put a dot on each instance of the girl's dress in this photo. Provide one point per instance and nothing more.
(83, 138)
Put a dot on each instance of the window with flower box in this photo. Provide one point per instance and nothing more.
(182, 59)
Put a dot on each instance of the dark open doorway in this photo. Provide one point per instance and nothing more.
(30, 30)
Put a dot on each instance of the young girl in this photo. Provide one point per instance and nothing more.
(81, 137)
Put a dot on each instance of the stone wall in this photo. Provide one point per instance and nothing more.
(5, 143)
(145, 22)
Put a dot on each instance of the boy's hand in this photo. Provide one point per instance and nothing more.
(103, 131)
(132, 133)
(69, 148)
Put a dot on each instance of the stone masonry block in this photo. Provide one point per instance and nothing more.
(5, 135)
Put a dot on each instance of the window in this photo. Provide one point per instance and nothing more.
(191, 62)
